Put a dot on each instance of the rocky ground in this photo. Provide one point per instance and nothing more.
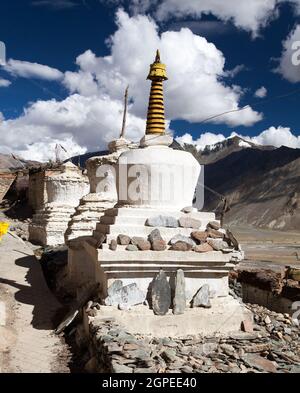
(271, 344)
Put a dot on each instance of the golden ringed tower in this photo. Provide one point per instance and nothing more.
(156, 112)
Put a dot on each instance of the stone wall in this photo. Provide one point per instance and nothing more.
(270, 345)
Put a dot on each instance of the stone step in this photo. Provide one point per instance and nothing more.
(132, 220)
(146, 213)
(142, 231)
(124, 257)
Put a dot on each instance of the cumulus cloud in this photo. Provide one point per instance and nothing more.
(251, 15)
(4, 82)
(196, 88)
(277, 136)
(205, 139)
(289, 65)
(248, 15)
(261, 92)
(78, 123)
(92, 115)
(26, 69)
(273, 136)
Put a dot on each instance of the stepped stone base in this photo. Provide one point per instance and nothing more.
(225, 316)
(49, 225)
(87, 214)
(104, 266)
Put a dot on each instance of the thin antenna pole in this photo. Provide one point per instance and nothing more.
(122, 135)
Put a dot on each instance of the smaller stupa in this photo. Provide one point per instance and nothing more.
(59, 190)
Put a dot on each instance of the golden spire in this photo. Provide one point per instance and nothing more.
(156, 112)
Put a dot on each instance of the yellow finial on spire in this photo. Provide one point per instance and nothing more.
(156, 113)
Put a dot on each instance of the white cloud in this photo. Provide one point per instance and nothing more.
(196, 88)
(91, 116)
(78, 123)
(4, 82)
(289, 66)
(261, 92)
(273, 136)
(236, 70)
(248, 15)
(26, 69)
(205, 139)
(280, 136)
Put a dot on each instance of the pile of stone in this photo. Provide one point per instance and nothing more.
(270, 345)
(214, 238)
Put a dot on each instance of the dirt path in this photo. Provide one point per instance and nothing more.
(27, 341)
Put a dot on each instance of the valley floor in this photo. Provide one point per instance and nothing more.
(267, 245)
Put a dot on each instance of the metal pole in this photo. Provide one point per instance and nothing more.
(122, 135)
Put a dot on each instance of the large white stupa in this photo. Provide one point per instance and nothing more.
(153, 225)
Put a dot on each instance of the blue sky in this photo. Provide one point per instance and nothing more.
(54, 33)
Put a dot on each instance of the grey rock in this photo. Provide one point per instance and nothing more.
(124, 240)
(179, 301)
(214, 225)
(131, 247)
(228, 349)
(158, 245)
(140, 354)
(189, 222)
(287, 330)
(141, 243)
(114, 287)
(215, 234)
(181, 246)
(154, 235)
(260, 363)
(129, 294)
(107, 338)
(187, 369)
(201, 299)
(204, 349)
(120, 368)
(162, 221)
(169, 355)
(140, 370)
(200, 236)
(157, 242)
(217, 244)
(231, 240)
(113, 245)
(161, 294)
(183, 239)
(169, 343)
